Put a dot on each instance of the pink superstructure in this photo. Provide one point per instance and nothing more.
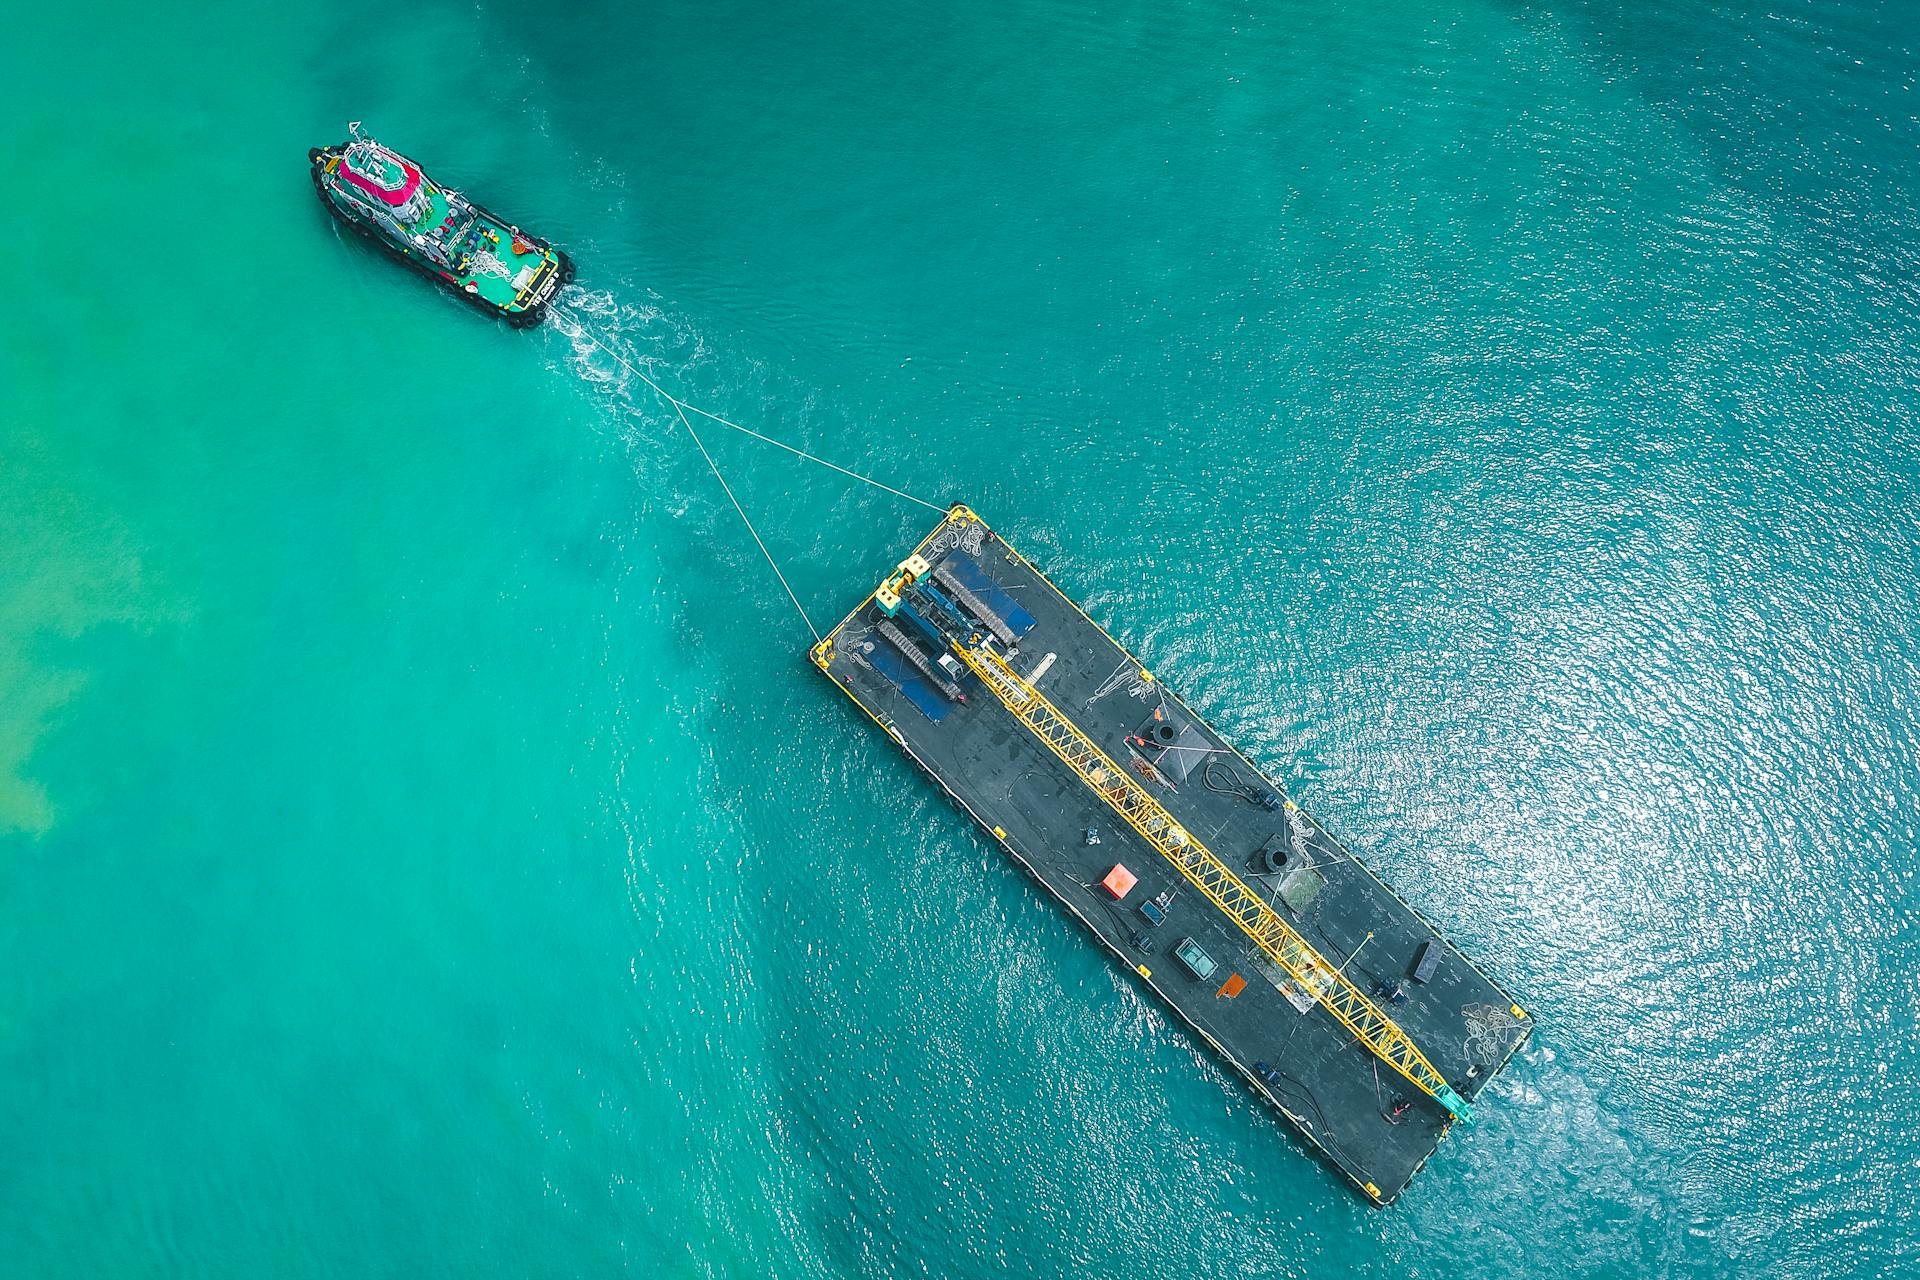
(381, 158)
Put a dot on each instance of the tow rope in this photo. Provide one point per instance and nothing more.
(575, 329)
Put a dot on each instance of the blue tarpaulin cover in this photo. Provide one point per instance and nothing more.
(965, 568)
(888, 662)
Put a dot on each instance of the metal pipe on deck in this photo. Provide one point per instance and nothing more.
(917, 656)
(975, 605)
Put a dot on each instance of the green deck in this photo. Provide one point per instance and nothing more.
(493, 288)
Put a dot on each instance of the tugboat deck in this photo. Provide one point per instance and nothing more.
(1291, 1049)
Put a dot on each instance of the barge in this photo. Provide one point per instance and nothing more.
(1334, 1000)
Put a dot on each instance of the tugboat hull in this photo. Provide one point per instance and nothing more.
(467, 250)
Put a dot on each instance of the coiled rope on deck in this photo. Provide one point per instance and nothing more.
(681, 408)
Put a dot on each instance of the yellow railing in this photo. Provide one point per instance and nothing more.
(1206, 872)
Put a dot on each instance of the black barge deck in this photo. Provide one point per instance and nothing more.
(919, 656)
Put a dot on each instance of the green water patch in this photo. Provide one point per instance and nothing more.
(72, 569)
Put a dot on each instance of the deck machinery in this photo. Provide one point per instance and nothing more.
(1340, 1005)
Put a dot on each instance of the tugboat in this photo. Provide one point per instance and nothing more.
(384, 196)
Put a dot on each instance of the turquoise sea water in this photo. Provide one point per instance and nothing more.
(423, 850)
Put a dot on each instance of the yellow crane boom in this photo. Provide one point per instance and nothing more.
(1212, 877)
